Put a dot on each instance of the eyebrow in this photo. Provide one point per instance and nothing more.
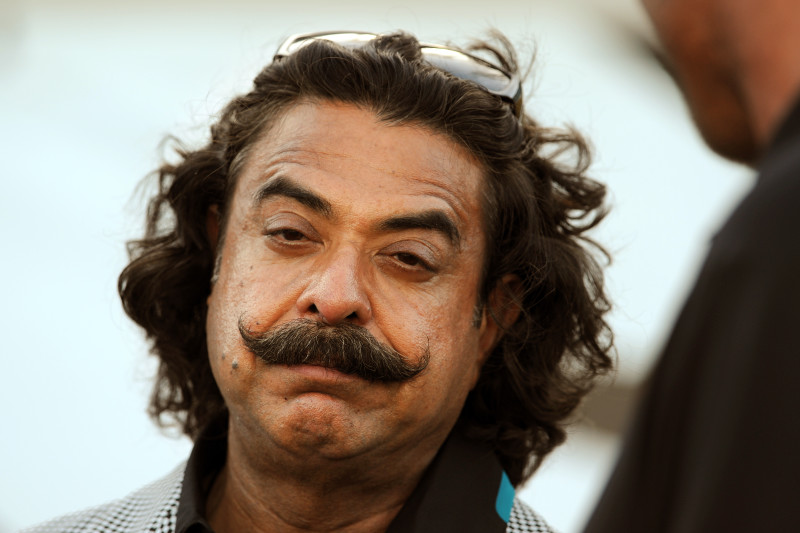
(434, 220)
(283, 186)
(429, 220)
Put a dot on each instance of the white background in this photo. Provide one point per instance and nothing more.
(88, 89)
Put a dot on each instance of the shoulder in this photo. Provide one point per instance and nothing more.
(525, 520)
(151, 508)
(766, 219)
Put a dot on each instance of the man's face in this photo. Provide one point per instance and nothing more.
(339, 218)
(701, 57)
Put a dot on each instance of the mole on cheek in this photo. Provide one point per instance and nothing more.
(235, 364)
(224, 355)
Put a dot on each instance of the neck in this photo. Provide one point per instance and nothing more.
(764, 39)
(311, 496)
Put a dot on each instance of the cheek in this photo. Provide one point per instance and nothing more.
(458, 338)
(224, 345)
(413, 319)
(242, 291)
(235, 369)
(251, 287)
(452, 339)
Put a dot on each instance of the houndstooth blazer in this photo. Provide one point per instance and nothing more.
(153, 509)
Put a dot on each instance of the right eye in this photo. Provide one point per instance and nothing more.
(287, 234)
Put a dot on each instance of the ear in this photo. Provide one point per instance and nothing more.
(501, 310)
(212, 226)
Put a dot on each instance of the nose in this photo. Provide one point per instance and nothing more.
(336, 292)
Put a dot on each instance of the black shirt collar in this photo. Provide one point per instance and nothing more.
(786, 135)
(205, 462)
(464, 489)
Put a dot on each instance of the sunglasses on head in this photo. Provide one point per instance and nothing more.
(461, 64)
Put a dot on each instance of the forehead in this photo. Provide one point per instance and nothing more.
(340, 149)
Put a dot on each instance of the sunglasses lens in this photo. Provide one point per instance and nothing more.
(472, 68)
(457, 63)
(346, 39)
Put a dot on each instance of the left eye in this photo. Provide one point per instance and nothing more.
(410, 259)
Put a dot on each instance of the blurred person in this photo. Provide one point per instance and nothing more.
(371, 295)
(714, 444)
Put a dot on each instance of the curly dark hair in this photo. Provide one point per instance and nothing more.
(537, 206)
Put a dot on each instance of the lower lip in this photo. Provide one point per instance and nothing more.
(322, 373)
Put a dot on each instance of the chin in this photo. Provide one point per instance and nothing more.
(319, 426)
(727, 132)
(741, 149)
